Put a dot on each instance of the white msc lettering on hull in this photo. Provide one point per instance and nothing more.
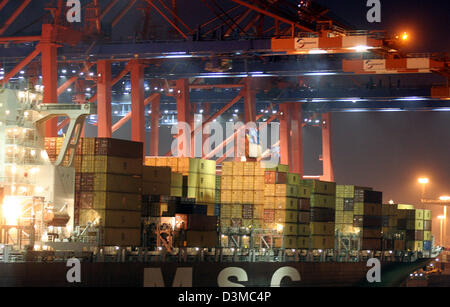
(153, 277)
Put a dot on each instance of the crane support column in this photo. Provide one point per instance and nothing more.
(184, 118)
(104, 91)
(205, 114)
(297, 140)
(49, 75)
(137, 102)
(327, 160)
(154, 126)
(285, 134)
(249, 101)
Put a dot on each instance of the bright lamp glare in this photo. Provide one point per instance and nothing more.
(423, 180)
(444, 198)
(11, 210)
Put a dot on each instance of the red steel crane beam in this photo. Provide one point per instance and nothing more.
(175, 15)
(21, 65)
(267, 13)
(14, 15)
(229, 139)
(3, 3)
(122, 13)
(127, 117)
(19, 39)
(69, 82)
(116, 79)
(108, 8)
(327, 158)
(238, 21)
(167, 19)
(215, 115)
(218, 17)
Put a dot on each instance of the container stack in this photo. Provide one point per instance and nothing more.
(323, 203)
(427, 236)
(241, 196)
(281, 205)
(176, 184)
(199, 177)
(303, 232)
(196, 230)
(389, 228)
(109, 190)
(156, 180)
(411, 225)
(370, 220)
(345, 203)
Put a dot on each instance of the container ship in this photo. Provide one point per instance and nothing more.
(133, 220)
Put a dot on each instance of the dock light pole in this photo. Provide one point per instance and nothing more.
(441, 218)
(423, 182)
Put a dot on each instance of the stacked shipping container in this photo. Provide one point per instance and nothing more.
(323, 203)
(109, 189)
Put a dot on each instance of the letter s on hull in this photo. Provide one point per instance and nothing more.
(283, 272)
(225, 274)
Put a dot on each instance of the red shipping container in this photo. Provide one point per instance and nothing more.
(271, 177)
(269, 215)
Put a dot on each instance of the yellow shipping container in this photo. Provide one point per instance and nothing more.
(339, 217)
(206, 196)
(258, 211)
(303, 242)
(207, 167)
(247, 183)
(322, 242)
(345, 228)
(238, 168)
(427, 236)
(288, 229)
(293, 178)
(110, 201)
(304, 191)
(115, 165)
(258, 223)
(238, 182)
(286, 190)
(121, 236)
(88, 164)
(286, 216)
(419, 214)
(290, 242)
(150, 161)
(427, 215)
(226, 182)
(110, 218)
(269, 190)
(303, 229)
(176, 191)
(247, 197)
(258, 184)
(269, 202)
(225, 211)
(249, 168)
(405, 206)
(286, 203)
(117, 183)
(348, 217)
(236, 211)
(339, 203)
(258, 198)
(227, 168)
(358, 208)
(259, 170)
(322, 228)
(176, 180)
(414, 245)
(225, 196)
(236, 197)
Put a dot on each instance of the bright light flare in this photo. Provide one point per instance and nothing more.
(423, 180)
(441, 217)
(445, 198)
(12, 209)
(405, 36)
